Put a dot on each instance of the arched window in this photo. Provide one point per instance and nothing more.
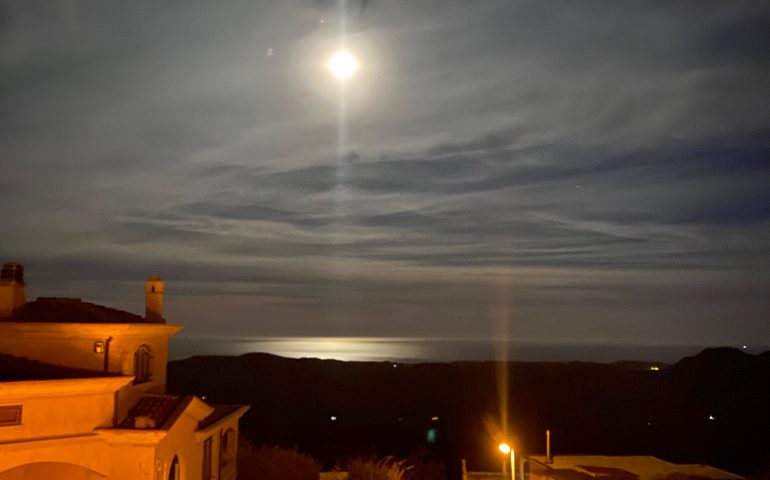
(142, 364)
(173, 472)
(229, 445)
(228, 453)
(208, 452)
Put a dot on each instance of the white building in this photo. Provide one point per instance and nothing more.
(82, 395)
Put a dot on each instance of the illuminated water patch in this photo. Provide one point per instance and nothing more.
(413, 350)
(339, 348)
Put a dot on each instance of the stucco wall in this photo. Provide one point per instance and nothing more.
(90, 452)
(74, 352)
(180, 441)
(50, 470)
(132, 462)
(72, 345)
(53, 408)
(187, 444)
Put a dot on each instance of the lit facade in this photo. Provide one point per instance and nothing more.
(82, 395)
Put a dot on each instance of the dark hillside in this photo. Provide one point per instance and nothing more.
(710, 408)
(713, 405)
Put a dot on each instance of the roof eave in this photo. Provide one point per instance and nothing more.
(59, 329)
(235, 415)
(67, 386)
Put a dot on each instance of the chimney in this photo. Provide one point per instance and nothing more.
(12, 294)
(153, 296)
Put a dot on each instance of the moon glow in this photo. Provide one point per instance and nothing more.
(343, 65)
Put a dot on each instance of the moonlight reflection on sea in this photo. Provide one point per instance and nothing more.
(340, 348)
(417, 349)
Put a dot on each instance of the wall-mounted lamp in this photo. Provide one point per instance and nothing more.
(98, 347)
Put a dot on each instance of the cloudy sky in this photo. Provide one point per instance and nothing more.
(552, 171)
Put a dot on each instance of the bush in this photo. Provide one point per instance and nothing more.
(386, 468)
(680, 476)
(422, 467)
(275, 463)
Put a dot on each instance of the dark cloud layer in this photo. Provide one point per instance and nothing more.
(599, 171)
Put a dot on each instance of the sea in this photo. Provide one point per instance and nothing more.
(420, 350)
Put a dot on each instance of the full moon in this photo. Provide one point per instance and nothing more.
(343, 65)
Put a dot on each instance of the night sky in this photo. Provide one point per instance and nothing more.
(550, 171)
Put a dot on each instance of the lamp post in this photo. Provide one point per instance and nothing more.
(508, 450)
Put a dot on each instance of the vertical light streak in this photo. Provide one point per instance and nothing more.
(342, 170)
(340, 193)
(502, 321)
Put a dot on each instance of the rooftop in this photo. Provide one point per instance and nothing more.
(632, 467)
(158, 408)
(163, 410)
(71, 310)
(220, 412)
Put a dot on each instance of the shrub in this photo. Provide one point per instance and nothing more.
(386, 468)
(275, 463)
(680, 476)
(422, 467)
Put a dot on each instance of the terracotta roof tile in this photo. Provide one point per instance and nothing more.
(72, 310)
(159, 408)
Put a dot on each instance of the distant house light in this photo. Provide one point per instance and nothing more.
(654, 368)
(333, 418)
(98, 347)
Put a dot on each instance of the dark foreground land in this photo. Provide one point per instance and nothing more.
(711, 408)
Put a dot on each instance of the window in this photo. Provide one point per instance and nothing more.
(223, 448)
(228, 446)
(142, 364)
(173, 472)
(206, 475)
(10, 415)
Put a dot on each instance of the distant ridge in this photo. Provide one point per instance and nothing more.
(708, 408)
(722, 359)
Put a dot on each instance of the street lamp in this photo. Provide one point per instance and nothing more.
(508, 450)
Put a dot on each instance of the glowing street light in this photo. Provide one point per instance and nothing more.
(508, 450)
